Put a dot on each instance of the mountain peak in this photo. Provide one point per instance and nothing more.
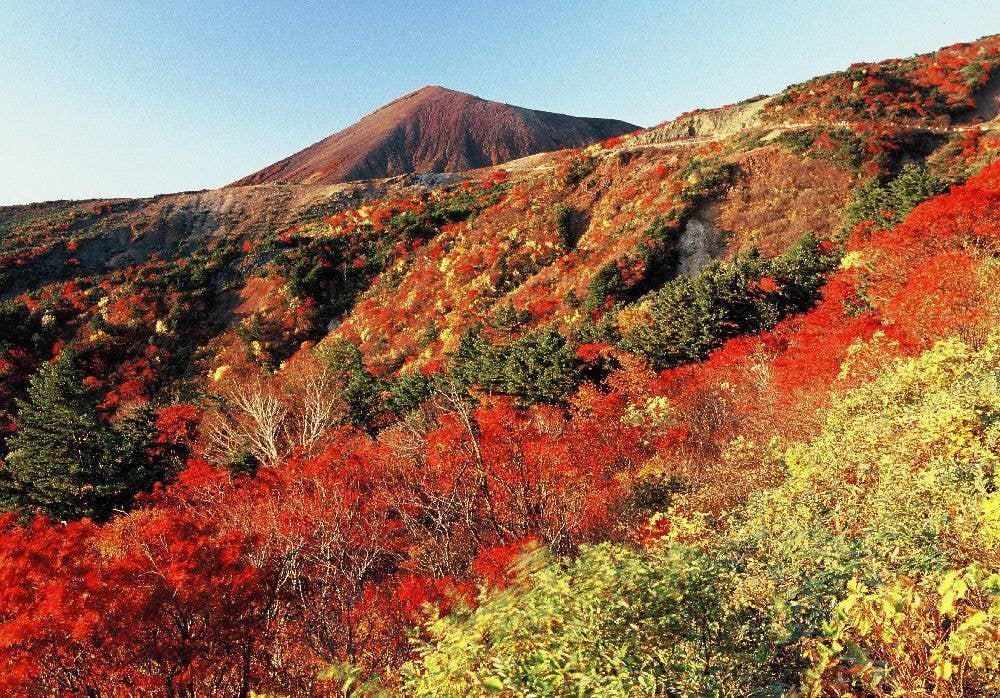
(435, 129)
(436, 89)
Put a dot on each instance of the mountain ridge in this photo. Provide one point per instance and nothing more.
(434, 129)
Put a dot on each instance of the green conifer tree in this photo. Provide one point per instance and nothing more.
(65, 462)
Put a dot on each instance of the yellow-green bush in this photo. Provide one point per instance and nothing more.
(934, 634)
(890, 501)
(874, 569)
(615, 621)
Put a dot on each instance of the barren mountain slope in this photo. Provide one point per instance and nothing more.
(435, 130)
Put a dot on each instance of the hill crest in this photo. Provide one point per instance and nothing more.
(435, 129)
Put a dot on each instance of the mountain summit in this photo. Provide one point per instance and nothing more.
(435, 130)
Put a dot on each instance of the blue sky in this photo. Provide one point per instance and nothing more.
(133, 98)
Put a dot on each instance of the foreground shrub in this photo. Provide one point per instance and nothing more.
(613, 622)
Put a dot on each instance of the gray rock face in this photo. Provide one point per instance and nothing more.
(701, 242)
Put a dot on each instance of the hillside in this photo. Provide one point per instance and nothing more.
(435, 130)
(706, 409)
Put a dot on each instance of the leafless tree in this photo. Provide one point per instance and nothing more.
(270, 416)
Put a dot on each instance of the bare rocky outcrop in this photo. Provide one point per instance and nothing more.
(987, 103)
(720, 123)
(700, 243)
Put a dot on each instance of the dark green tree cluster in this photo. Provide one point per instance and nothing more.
(607, 284)
(537, 367)
(579, 168)
(565, 217)
(66, 462)
(462, 205)
(658, 254)
(16, 326)
(692, 315)
(703, 177)
(370, 398)
(888, 202)
(845, 147)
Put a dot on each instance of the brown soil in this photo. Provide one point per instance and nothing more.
(779, 197)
